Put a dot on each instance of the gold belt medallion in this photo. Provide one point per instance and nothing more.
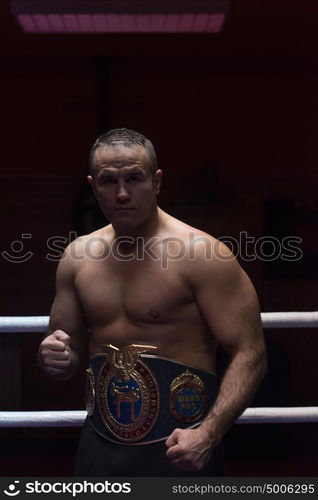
(187, 399)
(127, 393)
(90, 392)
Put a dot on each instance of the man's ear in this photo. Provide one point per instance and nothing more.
(91, 182)
(157, 180)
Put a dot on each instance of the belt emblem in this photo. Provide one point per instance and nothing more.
(128, 393)
(90, 392)
(187, 399)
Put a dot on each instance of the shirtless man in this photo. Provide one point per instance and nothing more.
(149, 279)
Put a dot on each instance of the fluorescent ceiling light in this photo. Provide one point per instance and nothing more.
(120, 16)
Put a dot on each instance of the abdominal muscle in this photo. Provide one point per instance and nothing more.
(192, 347)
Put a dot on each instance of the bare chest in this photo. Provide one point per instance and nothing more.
(139, 292)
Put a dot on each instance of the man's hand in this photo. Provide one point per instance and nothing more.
(189, 449)
(54, 354)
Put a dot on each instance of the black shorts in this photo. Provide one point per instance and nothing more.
(98, 457)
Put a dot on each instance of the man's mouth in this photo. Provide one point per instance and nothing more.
(124, 209)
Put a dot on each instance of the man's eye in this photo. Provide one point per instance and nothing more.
(108, 180)
(133, 178)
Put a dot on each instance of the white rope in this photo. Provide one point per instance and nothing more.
(290, 319)
(20, 324)
(76, 418)
(279, 415)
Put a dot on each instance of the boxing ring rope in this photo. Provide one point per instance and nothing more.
(75, 418)
(290, 319)
(25, 324)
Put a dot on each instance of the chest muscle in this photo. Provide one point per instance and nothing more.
(141, 293)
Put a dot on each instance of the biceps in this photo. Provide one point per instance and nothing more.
(233, 315)
(66, 313)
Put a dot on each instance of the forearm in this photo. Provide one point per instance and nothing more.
(237, 389)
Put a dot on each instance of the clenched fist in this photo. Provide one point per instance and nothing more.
(54, 354)
(189, 449)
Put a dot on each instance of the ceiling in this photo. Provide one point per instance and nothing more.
(284, 32)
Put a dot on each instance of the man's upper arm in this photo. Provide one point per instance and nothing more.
(66, 312)
(228, 301)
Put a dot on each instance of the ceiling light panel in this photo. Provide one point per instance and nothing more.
(121, 16)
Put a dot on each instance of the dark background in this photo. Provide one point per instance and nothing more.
(233, 117)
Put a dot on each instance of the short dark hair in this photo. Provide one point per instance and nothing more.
(128, 138)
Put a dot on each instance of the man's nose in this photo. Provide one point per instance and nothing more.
(122, 192)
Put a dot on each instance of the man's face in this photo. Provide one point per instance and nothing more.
(124, 185)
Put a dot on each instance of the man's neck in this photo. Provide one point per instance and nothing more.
(147, 230)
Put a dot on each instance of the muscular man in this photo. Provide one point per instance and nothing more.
(157, 297)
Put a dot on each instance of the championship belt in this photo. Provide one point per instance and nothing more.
(137, 398)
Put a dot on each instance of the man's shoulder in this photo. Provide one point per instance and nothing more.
(102, 232)
(202, 252)
(87, 245)
(190, 235)
(199, 251)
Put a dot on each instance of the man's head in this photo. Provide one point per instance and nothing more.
(125, 179)
(127, 138)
